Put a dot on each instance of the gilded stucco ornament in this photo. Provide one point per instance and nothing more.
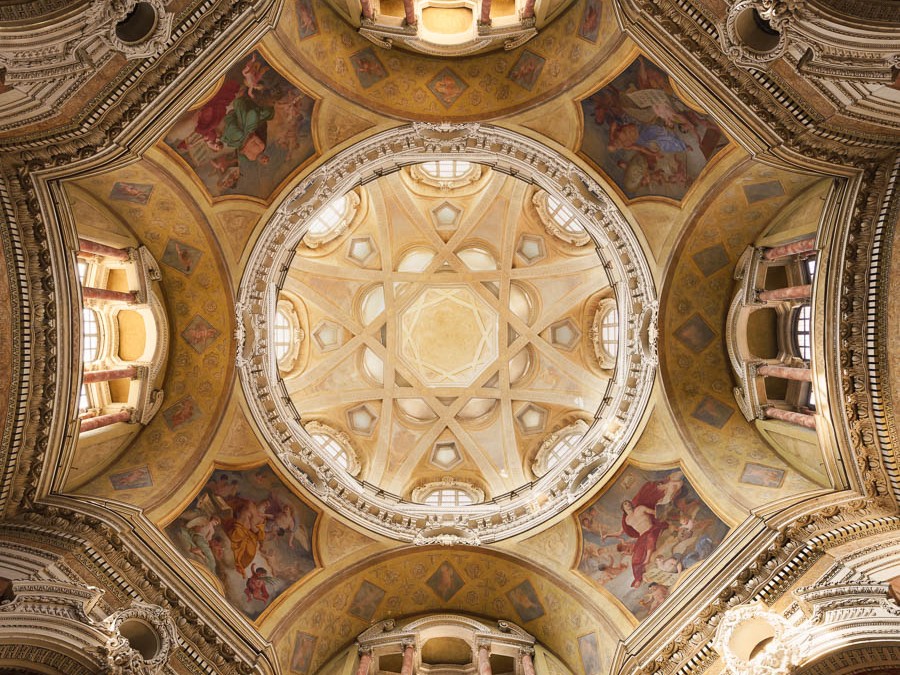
(616, 420)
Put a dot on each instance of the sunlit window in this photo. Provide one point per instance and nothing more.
(609, 332)
(561, 448)
(82, 271)
(333, 449)
(447, 168)
(810, 267)
(330, 217)
(282, 335)
(90, 336)
(802, 330)
(447, 496)
(563, 215)
(811, 398)
(84, 401)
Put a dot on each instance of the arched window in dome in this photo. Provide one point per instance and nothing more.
(335, 445)
(802, 332)
(448, 493)
(84, 399)
(90, 335)
(605, 333)
(416, 260)
(559, 219)
(447, 168)
(558, 446)
(446, 173)
(332, 221)
(287, 335)
(281, 341)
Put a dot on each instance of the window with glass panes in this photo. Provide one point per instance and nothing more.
(448, 496)
(281, 342)
(90, 335)
(447, 168)
(562, 215)
(333, 448)
(802, 330)
(609, 332)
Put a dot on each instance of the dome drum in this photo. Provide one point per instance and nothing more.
(622, 404)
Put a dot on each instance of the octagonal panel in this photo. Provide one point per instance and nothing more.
(448, 335)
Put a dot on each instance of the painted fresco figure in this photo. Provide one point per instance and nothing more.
(247, 532)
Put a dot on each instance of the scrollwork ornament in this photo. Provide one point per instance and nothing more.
(777, 13)
(776, 656)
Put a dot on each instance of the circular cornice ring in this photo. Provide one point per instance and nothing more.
(627, 394)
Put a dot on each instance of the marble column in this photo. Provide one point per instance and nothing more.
(790, 293)
(103, 294)
(798, 418)
(105, 420)
(111, 374)
(484, 660)
(89, 247)
(807, 245)
(528, 11)
(409, 7)
(786, 372)
(527, 663)
(368, 10)
(485, 19)
(407, 667)
(365, 662)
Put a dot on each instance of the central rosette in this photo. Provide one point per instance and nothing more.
(448, 335)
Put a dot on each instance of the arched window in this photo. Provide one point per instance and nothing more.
(335, 445)
(605, 333)
(559, 449)
(477, 258)
(334, 219)
(448, 493)
(448, 497)
(558, 446)
(446, 173)
(82, 271)
(281, 342)
(333, 449)
(609, 332)
(559, 219)
(563, 215)
(802, 332)
(84, 400)
(90, 335)
(447, 168)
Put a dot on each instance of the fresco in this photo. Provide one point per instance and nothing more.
(646, 528)
(445, 581)
(527, 69)
(251, 532)
(138, 193)
(447, 86)
(589, 649)
(525, 601)
(589, 27)
(761, 475)
(249, 135)
(648, 141)
(132, 479)
(200, 333)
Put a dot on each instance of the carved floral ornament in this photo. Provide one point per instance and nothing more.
(616, 420)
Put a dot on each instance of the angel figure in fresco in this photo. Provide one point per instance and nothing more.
(247, 531)
(256, 584)
(642, 521)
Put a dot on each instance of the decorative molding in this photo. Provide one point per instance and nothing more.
(618, 250)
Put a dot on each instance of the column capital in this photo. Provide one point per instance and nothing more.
(483, 644)
(361, 650)
(526, 650)
(408, 644)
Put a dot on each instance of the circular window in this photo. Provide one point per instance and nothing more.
(138, 24)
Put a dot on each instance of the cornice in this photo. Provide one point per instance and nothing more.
(120, 551)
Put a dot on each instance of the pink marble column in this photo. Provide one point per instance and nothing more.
(789, 293)
(89, 247)
(103, 294)
(807, 245)
(527, 664)
(365, 661)
(105, 420)
(786, 372)
(368, 10)
(112, 374)
(409, 6)
(798, 418)
(485, 19)
(484, 660)
(528, 11)
(407, 667)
